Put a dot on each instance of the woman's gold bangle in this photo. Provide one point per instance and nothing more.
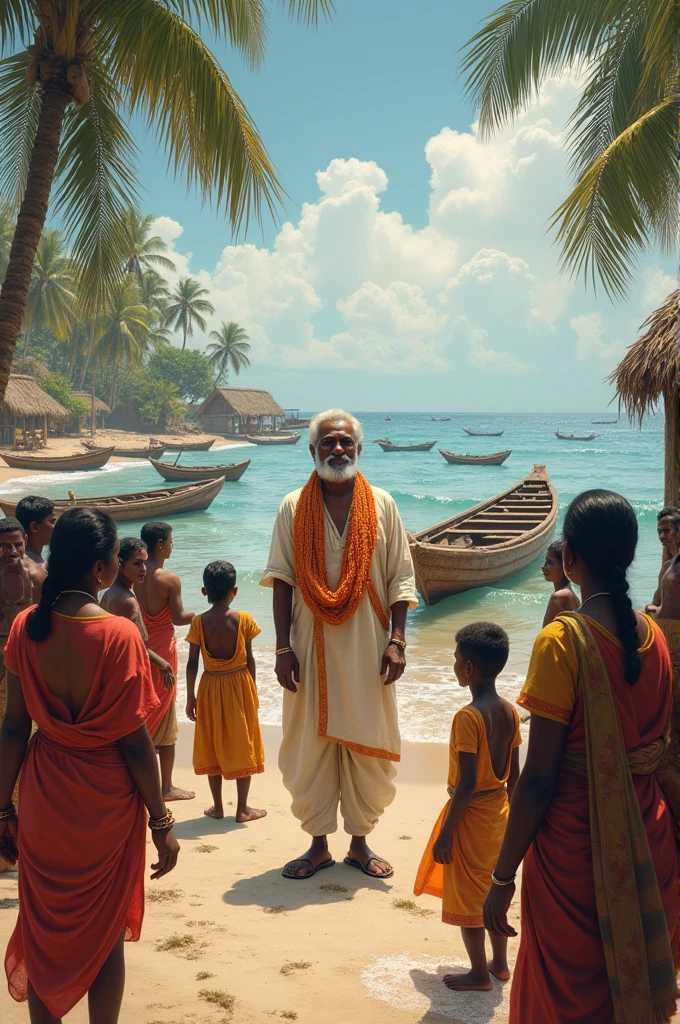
(8, 812)
(502, 881)
(160, 824)
(283, 650)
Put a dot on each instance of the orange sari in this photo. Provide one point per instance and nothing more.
(82, 834)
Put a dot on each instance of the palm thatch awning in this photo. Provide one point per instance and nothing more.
(25, 397)
(99, 406)
(246, 402)
(650, 370)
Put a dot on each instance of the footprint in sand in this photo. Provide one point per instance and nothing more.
(415, 983)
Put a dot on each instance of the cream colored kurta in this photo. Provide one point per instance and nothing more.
(362, 711)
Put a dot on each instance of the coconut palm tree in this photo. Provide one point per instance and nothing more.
(142, 251)
(123, 331)
(6, 233)
(186, 307)
(76, 72)
(228, 350)
(624, 132)
(51, 295)
(154, 294)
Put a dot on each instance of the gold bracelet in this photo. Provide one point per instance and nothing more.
(502, 881)
(8, 812)
(160, 824)
(283, 650)
(398, 643)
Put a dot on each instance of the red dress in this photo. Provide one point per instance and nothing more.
(82, 832)
(560, 976)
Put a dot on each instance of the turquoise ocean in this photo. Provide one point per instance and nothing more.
(427, 490)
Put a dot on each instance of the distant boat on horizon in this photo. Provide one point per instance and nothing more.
(575, 437)
(483, 433)
(606, 423)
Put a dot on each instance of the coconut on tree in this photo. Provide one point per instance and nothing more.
(187, 308)
(228, 351)
(76, 74)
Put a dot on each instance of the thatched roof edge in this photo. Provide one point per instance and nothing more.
(650, 370)
(25, 397)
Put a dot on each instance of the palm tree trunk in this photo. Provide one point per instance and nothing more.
(30, 222)
(184, 343)
(90, 349)
(27, 338)
(112, 393)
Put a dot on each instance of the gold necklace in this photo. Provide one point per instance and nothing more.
(603, 593)
(84, 593)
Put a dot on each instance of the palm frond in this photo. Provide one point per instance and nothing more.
(176, 84)
(242, 22)
(525, 40)
(617, 207)
(17, 22)
(661, 43)
(309, 10)
(96, 180)
(19, 115)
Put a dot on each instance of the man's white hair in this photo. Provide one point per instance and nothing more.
(332, 415)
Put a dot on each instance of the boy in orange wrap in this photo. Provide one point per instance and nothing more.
(227, 741)
(483, 770)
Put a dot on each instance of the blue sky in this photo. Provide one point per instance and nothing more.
(412, 267)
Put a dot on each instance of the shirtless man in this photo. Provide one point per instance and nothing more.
(563, 598)
(160, 598)
(119, 599)
(666, 522)
(38, 518)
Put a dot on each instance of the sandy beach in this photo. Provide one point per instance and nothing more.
(337, 949)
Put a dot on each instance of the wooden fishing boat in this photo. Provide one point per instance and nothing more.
(387, 446)
(184, 446)
(60, 463)
(605, 423)
(129, 453)
(272, 439)
(141, 505)
(574, 437)
(493, 540)
(170, 471)
(483, 433)
(496, 459)
(440, 419)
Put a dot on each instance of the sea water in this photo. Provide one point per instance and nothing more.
(238, 524)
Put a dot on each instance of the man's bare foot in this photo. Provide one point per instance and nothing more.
(369, 862)
(502, 972)
(213, 812)
(249, 814)
(309, 862)
(468, 982)
(178, 794)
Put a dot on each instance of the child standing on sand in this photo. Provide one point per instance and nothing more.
(483, 770)
(227, 742)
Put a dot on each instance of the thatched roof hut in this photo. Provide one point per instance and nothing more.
(99, 406)
(24, 403)
(649, 376)
(238, 410)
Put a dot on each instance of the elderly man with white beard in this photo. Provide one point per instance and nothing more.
(343, 583)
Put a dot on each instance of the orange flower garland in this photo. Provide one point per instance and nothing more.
(335, 607)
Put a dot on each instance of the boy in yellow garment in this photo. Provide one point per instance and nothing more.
(227, 741)
(483, 770)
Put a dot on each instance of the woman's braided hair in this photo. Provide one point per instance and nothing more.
(82, 536)
(601, 527)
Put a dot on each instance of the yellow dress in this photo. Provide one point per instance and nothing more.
(227, 740)
(463, 884)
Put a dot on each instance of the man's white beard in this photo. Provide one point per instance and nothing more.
(336, 474)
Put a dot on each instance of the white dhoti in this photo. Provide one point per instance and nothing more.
(341, 733)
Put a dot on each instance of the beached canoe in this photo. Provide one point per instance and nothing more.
(144, 505)
(129, 453)
(493, 540)
(272, 439)
(184, 446)
(387, 446)
(170, 471)
(495, 459)
(60, 463)
(575, 437)
(483, 433)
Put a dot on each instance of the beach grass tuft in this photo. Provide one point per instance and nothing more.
(251, 849)
(274, 910)
(206, 848)
(219, 997)
(295, 965)
(404, 837)
(289, 1014)
(204, 975)
(163, 895)
(333, 887)
(174, 942)
(411, 907)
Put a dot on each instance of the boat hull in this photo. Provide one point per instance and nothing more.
(197, 446)
(143, 505)
(170, 472)
(442, 571)
(483, 433)
(496, 459)
(574, 437)
(60, 464)
(129, 453)
(406, 447)
(259, 439)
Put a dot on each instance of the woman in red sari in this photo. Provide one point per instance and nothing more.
(83, 677)
(600, 905)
